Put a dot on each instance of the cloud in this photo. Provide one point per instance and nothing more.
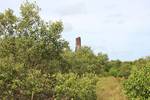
(67, 27)
(111, 6)
(115, 15)
(72, 9)
(114, 21)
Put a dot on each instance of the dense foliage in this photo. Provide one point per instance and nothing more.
(85, 61)
(138, 84)
(72, 86)
(33, 60)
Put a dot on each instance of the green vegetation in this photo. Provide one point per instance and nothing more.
(36, 63)
(138, 84)
(72, 86)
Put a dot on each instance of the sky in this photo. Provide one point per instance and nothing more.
(120, 28)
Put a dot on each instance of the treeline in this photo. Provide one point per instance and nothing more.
(36, 62)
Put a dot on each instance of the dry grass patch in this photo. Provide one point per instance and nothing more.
(109, 88)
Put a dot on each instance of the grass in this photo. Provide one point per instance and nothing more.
(110, 88)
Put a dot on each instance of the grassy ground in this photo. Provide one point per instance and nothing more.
(109, 88)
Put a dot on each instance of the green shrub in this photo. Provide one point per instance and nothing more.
(16, 82)
(137, 86)
(71, 86)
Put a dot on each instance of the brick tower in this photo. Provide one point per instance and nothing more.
(78, 43)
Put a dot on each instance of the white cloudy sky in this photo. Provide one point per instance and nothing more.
(119, 28)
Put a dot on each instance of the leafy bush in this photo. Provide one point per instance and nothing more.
(137, 86)
(17, 82)
(85, 61)
(120, 69)
(30, 51)
(71, 86)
